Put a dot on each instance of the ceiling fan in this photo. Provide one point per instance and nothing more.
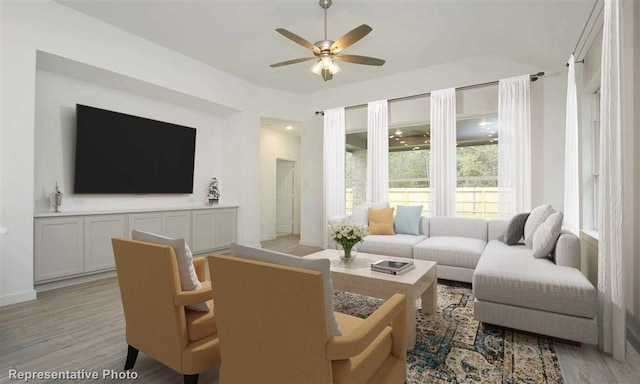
(327, 51)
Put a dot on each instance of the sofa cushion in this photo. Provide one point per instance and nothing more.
(320, 265)
(510, 275)
(462, 252)
(398, 245)
(535, 219)
(381, 221)
(407, 219)
(544, 240)
(496, 227)
(458, 227)
(515, 229)
(360, 213)
(188, 278)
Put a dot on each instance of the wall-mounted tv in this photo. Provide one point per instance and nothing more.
(120, 153)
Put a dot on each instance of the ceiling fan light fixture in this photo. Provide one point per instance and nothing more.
(317, 67)
(325, 63)
(333, 68)
(326, 50)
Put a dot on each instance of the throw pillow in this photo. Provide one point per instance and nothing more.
(320, 265)
(535, 219)
(408, 219)
(188, 278)
(360, 213)
(546, 236)
(515, 229)
(381, 221)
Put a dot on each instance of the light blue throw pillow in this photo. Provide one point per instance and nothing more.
(408, 219)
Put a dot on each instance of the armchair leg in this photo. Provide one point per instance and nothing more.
(132, 355)
(191, 379)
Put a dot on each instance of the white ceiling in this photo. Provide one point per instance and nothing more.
(239, 38)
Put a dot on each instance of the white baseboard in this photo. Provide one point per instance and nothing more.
(43, 287)
(18, 297)
(310, 243)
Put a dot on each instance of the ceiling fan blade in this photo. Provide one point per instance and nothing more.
(294, 61)
(350, 38)
(366, 60)
(295, 38)
(326, 74)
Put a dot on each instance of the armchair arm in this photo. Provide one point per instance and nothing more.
(194, 297)
(393, 310)
(199, 266)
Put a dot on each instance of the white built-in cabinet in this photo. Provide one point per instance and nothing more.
(72, 245)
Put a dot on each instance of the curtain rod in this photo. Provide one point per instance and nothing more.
(585, 27)
(533, 77)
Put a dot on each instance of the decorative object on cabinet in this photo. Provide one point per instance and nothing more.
(213, 191)
(57, 198)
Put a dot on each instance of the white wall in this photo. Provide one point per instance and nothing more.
(28, 27)
(551, 148)
(630, 92)
(457, 74)
(56, 98)
(276, 145)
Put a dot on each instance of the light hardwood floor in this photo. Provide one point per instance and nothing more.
(82, 328)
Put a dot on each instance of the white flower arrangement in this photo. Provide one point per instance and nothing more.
(213, 192)
(347, 233)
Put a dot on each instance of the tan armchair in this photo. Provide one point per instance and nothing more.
(153, 303)
(273, 328)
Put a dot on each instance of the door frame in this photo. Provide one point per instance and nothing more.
(296, 193)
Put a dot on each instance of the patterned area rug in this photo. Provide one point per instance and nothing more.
(452, 347)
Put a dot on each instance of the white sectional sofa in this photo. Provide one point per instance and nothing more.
(513, 289)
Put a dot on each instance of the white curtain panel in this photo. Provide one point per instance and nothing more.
(378, 152)
(571, 169)
(443, 152)
(610, 259)
(334, 153)
(514, 146)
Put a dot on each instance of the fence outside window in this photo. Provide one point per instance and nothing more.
(470, 201)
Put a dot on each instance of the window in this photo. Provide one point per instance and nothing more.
(477, 152)
(595, 159)
(409, 153)
(477, 166)
(409, 166)
(355, 158)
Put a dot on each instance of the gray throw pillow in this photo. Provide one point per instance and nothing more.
(535, 219)
(546, 236)
(515, 229)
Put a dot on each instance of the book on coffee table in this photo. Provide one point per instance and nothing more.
(392, 267)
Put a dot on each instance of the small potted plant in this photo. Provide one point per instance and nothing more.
(347, 234)
(213, 191)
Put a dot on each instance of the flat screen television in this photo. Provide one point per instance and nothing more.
(120, 153)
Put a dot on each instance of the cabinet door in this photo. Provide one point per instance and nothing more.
(177, 224)
(226, 223)
(98, 232)
(148, 222)
(58, 247)
(204, 230)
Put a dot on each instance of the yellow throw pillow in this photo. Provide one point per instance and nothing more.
(381, 221)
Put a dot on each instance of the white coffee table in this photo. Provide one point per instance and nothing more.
(357, 277)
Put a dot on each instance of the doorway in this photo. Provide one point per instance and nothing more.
(285, 197)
